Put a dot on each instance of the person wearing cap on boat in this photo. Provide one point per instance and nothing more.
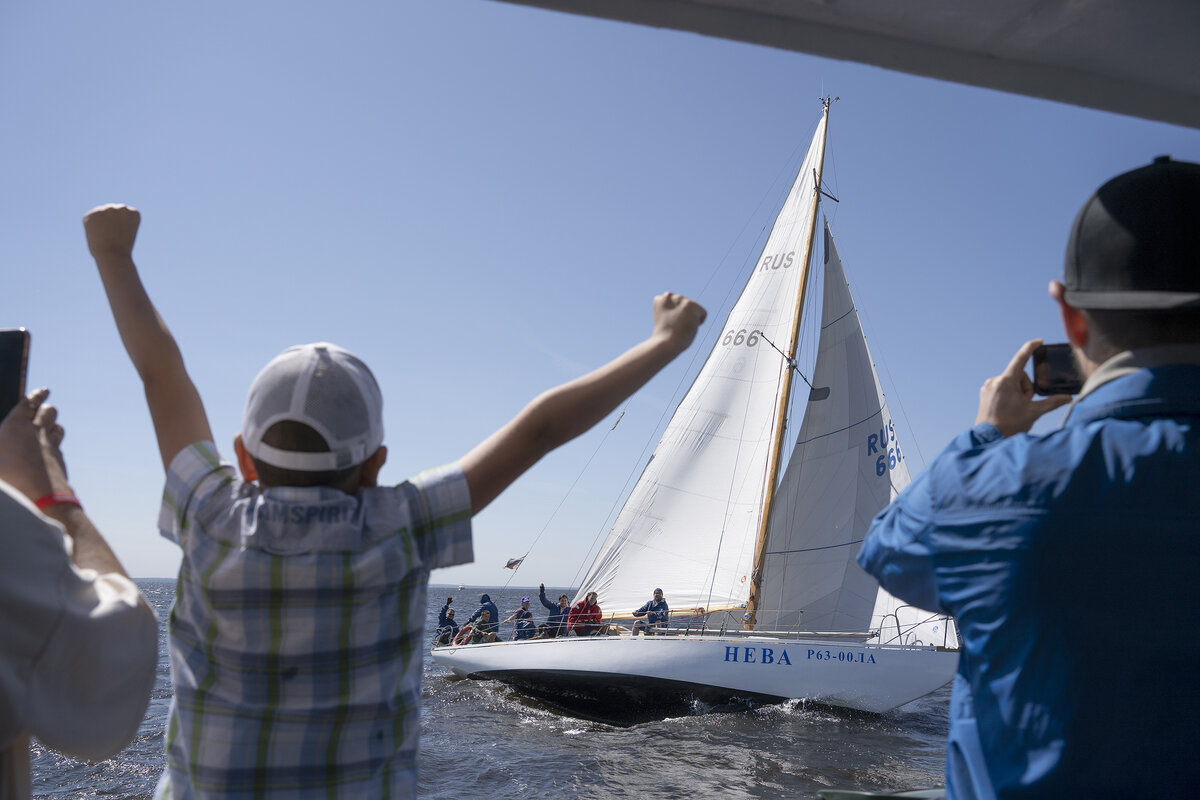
(492, 624)
(584, 617)
(656, 613)
(1069, 685)
(447, 627)
(302, 593)
(556, 621)
(524, 629)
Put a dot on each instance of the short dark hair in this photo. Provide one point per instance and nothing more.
(1127, 329)
(300, 438)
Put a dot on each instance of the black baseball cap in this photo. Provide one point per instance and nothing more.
(1136, 242)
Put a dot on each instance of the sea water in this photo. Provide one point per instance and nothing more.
(483, 739)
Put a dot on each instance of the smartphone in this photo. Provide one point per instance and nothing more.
(14, 358)
(1055, 370)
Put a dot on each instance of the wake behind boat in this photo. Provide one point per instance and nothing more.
(761, 566)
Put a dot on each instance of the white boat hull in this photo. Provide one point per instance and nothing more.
(614, 669)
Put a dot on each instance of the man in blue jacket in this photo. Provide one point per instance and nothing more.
(556, 622)
(656, 614)
(1070, 558)
(447, 627)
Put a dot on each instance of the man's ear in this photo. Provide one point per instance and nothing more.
(244, 461)
(1074, 324)
(370, 469)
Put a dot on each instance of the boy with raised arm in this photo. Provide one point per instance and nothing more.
(296, 638)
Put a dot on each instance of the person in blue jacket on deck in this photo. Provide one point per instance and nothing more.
(1070, 558)
(447, 627)
(656, 614)
(492, 625)
(556, 622)
(524, 627)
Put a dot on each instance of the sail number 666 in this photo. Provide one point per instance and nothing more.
(735, 338)
(889, 460)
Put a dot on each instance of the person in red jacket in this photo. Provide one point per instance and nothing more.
(584, 617)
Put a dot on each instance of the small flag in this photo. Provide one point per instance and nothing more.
(513, 563)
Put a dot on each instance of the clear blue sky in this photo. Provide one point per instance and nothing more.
(481, 199)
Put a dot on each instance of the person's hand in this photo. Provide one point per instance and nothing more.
(1007, 401)
(449, 600)
(30, 458)
(677, 318)
(111, 230)
(542, 588)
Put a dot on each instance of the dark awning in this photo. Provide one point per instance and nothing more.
(1137, 57)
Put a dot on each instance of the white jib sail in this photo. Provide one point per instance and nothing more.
(690, 523)
(846, 466)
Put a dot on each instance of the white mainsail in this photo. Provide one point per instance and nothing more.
(690, 523)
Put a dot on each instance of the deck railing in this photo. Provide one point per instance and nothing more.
(892, 632)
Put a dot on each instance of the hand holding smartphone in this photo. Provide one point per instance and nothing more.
(14, 360)
(1055, 370)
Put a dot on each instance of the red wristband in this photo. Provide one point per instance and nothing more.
(55, 498)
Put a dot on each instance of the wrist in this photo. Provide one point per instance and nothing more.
(52, 499)
(67, 515)
(672, 341)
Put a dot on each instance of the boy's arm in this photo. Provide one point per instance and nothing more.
(563, 413)
(175, 406)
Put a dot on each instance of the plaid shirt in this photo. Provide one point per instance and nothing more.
(296, 637)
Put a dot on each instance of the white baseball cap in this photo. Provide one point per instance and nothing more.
(327, 388)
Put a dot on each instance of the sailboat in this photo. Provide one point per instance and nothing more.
(758, 568)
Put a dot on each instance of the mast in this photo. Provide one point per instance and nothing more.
(760, 547)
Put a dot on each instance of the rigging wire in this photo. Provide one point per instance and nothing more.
(566, 495)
